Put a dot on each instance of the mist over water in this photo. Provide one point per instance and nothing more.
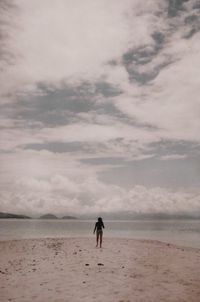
(179, 232)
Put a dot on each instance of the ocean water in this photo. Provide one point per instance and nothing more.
(179, 232)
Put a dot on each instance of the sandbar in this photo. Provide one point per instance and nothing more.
(73, 269)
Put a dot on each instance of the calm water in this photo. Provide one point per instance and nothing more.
(180, 232)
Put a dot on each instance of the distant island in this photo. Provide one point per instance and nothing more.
(48, 216)
(10, 215)
(69, 217)
(109, 216)
(4, 215)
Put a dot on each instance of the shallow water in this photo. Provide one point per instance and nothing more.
(180, 232)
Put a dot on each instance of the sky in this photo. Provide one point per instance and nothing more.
(99, 107)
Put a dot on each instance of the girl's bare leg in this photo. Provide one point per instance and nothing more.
(97, 239)
(101, 236)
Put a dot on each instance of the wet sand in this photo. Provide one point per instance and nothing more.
(72, 269)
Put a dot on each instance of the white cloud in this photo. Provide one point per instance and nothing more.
(68, 40)
(171, 102)
(38, 182)
(61, 194)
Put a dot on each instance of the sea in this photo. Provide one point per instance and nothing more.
(185, 233)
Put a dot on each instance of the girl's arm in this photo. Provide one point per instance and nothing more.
(95, 228)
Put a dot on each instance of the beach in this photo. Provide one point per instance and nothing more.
(73, 269)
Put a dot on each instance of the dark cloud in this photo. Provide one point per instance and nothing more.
(135, 58)
(150, 172)
(104, 161)
(166, 147)
(106, 89)
(159, 39)
(56, 147)
(175, 7)
(196, 5)
(191, 19)
(132, 59)
(193, 24)
(141, 55)
(59, 147)
(54, 107)
(153, 172)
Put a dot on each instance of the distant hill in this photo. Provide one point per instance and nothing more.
(48, 216)
(69, 217)
(10, 215)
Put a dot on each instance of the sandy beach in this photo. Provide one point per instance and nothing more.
(73, 269)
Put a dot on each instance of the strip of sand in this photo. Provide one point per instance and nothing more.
(72, 269)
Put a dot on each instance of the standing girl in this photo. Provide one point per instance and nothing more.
(99, 231)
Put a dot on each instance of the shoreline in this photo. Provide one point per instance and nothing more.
(147, 240)
(72, 269)
(167, 243)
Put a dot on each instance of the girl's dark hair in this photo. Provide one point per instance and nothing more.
(100, 219)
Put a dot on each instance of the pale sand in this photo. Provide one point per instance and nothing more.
(67, 270)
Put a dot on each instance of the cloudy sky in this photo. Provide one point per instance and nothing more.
(99, 106)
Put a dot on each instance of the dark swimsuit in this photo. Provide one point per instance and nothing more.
(99, 226)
